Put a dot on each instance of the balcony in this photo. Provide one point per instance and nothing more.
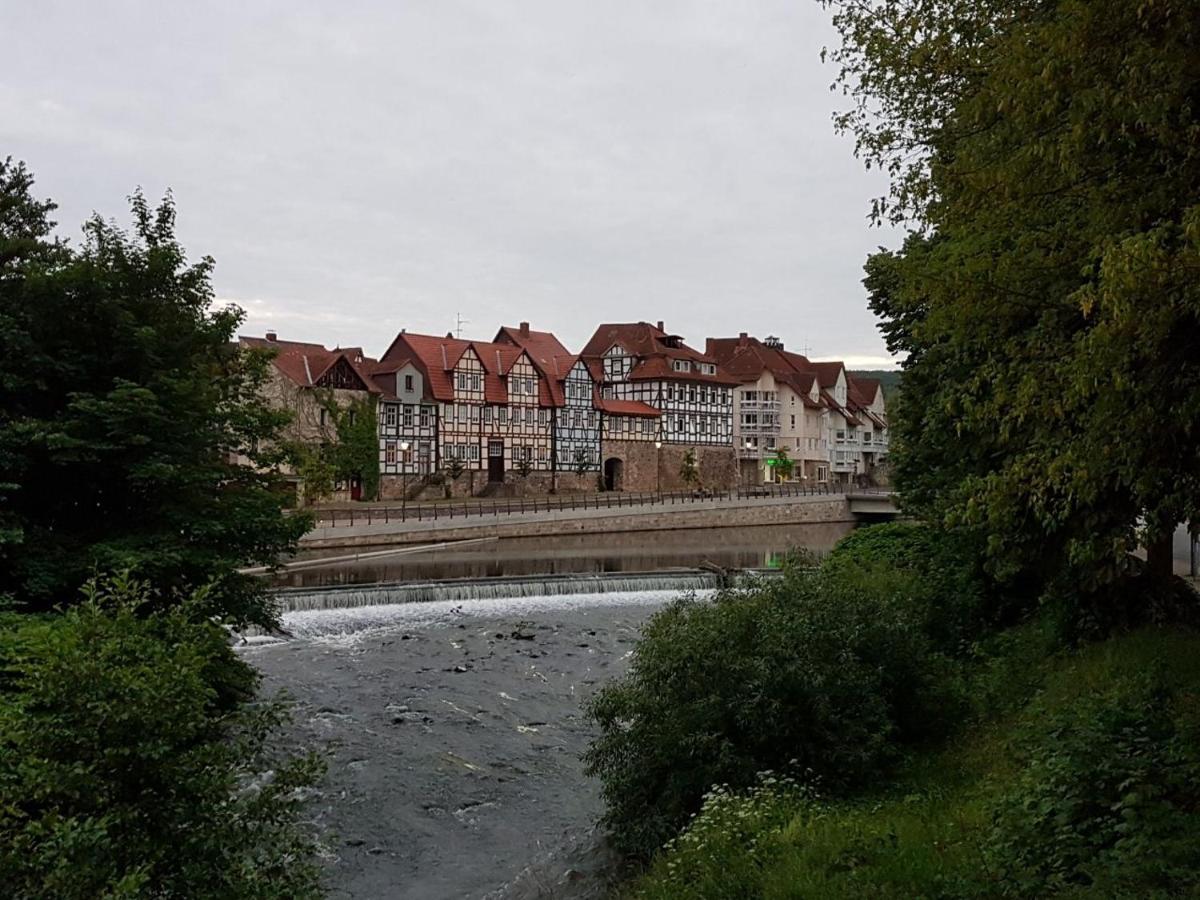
(767, 406)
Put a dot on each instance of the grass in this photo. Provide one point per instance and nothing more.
(926, 833)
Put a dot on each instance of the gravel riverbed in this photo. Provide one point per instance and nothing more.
(455, 733)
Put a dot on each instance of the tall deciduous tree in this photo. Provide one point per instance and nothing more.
(124, 405)
(1046, 154)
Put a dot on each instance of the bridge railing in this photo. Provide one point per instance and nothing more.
(456, 510)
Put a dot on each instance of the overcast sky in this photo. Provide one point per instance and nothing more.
(360, 167)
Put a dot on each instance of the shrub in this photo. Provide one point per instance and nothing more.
(126, 769)
(950, 590)
(811, 671)
(1109, 796)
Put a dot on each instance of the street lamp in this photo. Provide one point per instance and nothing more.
(404, 474)
(658, 467)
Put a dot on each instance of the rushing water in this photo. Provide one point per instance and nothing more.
(755, 547)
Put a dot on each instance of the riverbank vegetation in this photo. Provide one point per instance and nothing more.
(136, 476)
(1007, 703)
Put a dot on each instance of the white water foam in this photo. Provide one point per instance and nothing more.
(347, 625)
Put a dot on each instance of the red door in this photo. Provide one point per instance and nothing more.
(355, 488)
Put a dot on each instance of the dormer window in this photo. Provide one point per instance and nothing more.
(708, 368)
(408, 383)
(681, 365)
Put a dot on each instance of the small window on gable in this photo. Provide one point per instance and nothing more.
(408, 383)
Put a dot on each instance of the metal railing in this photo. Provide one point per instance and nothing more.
(457, 510)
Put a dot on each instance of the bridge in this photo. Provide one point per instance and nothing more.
(872, 506)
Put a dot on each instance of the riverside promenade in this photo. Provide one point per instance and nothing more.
(592, 514)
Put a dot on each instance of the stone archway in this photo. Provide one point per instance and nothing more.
(613, 472)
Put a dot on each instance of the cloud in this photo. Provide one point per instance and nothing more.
(372, 165)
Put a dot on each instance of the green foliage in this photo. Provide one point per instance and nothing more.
(582, 462)
(689, 472)
(1048, 302)
(1094, 797)
(355, 453)
(784, 464)
(455, 468)
(123, 406)
(315, 468)
(809, 673)
(948, 588)
(1107, 795)
(524, 466)
(127, 771)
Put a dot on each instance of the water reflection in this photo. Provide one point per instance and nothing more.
(647, 551)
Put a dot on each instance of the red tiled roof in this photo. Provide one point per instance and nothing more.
(436, 357)
(654, 349)
(548, 356)
(305, 363)
(626, 407)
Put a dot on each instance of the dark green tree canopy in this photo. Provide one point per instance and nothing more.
(1047, 155)
(125, 407)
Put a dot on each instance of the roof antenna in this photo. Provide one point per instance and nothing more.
(459, 323)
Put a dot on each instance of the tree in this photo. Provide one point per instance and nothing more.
(524, 464)
(1046, 156)
(124, 408)
(784, 465)
(583, 462)
(124, 772)
(454, 470)
(688, 469)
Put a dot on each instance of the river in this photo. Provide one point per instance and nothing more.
(455, 726)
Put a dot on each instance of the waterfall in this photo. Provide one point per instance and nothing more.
(465, 590)
(339, 612)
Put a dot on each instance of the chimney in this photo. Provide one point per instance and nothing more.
(742, 339)
(272, 336)
(524, 329)
(660, 328)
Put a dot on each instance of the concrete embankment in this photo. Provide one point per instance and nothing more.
(717, 513)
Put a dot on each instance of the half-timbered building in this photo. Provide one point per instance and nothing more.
(408, 427)
(643, 363)
(493, 406)
(575, 417)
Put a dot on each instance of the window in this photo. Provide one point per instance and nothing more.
(487, 415)
(473, 450)
(424, 416)
(681, 365)
(408, 416)
(447, 412)
(476, 383)
(704, 425)
(390, 453)
(502, 415)
(591, 420)
(474, 413)
(708, 368)
(793, 421)
(544, 454)
(703, 395)
(408, 383)
(324, 415)
(543, 417)
(577, 418)
(530, 413)
(391, 415)
(691, 395)
(670, 392)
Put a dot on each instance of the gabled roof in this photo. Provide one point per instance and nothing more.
(306, 364)
(547, 354)
(827, 372)
(437, 357)
(748, 358)
(655, 350)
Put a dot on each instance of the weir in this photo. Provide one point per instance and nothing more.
(291, 600)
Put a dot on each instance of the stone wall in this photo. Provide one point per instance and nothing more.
(647, 468)
(702, 514)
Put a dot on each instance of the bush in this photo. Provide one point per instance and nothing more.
(1108, 799)
(127, 769)
(825, 675)
(950, 591)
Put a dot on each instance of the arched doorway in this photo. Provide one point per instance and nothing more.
(612, 473)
